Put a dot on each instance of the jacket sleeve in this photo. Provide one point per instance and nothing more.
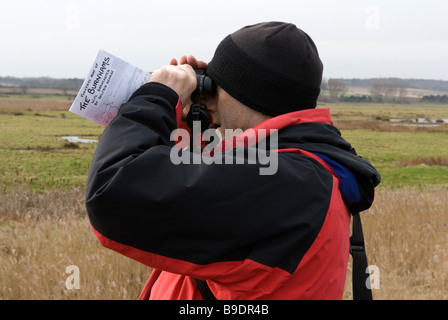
(199, 220)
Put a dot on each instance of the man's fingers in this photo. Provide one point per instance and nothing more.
(202, 65)
(191, 60)
(183, 60)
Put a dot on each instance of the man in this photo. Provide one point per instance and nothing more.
(282, 235)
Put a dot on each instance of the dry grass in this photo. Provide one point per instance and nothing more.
(431, 161)
(406, 233)
(384, 126)
(40, 235)
(21, 103)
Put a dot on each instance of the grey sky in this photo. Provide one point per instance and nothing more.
(355, 38)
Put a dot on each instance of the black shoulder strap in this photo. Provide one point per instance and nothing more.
(357, 249)
(205, 291)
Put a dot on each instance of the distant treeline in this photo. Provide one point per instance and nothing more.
(436, 99)
(380, 89)
(423, 84)
(75, 83)
(42, 82)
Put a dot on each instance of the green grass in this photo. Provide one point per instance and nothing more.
(390, 148)
(33, 155)
(386, 148)
(363, 111)
(419, 176)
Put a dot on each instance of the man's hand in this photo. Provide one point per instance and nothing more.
(191, 61)
(181, 78)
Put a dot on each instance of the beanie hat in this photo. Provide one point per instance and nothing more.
(272, 67)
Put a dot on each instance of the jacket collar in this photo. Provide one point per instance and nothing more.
(252, 136)
(297, 117)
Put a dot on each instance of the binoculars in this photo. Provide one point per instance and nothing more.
(206, 87)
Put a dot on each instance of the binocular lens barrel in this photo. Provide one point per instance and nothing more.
(205, 86)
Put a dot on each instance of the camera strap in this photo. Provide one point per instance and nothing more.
(204, 289)
(361, 291)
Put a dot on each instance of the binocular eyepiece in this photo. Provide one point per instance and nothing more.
(206, 86)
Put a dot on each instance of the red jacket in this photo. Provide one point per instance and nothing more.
(251, 236)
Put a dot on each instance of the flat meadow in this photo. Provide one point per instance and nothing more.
(44, 228)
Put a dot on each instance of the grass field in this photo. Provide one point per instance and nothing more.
(34, 154)
(44, 228)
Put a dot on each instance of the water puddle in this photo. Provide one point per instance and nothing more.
(75, 139)
(419, 122)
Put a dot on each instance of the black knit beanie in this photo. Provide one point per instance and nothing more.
(272, 67)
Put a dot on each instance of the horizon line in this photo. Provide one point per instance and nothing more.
(323, 77)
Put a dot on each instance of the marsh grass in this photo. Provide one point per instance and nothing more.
(34, 155)
(425, 161)
(44, 227)
(406, 233)
(42, 234)
(45, 102)
(386, 111)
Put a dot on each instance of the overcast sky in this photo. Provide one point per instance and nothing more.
(355, 38)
